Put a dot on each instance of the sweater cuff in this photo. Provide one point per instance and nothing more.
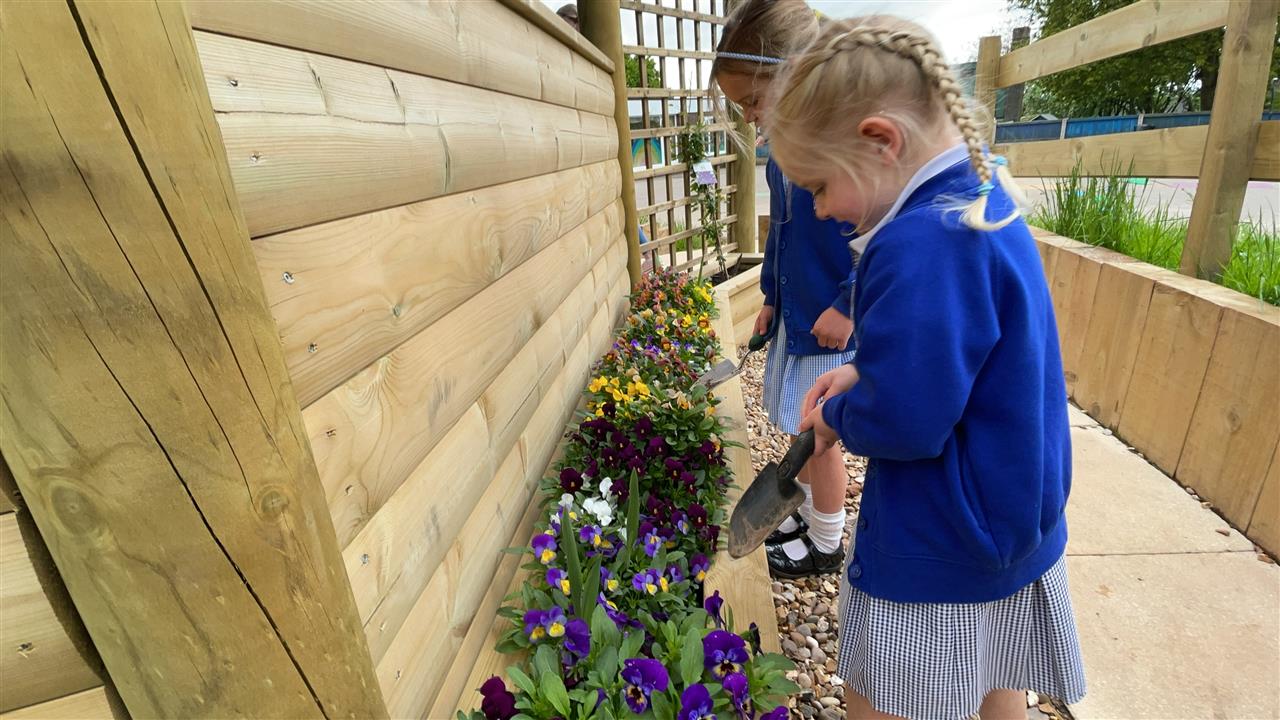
(844, 305)
(832, 411)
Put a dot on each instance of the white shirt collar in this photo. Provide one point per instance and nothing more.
(927, 172)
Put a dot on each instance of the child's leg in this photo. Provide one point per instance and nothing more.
(829, 481)
(1004, 705)
(860, 708)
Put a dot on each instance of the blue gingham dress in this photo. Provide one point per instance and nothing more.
(788, 378)
(937, 661)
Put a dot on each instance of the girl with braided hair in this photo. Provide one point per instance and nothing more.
(954, 598)
(806, 281)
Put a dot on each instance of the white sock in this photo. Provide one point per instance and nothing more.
(789, 525)
(795, 549)
(806, 507)
(826, 529)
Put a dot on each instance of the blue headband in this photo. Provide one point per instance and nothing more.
(762, 59)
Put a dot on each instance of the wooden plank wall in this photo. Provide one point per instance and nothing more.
(436, 220)
(1182, 369)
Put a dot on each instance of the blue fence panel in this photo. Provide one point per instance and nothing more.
(1030, 130)
(1170, 120)
(1101, 125)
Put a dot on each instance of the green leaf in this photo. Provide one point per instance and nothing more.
(545, 661)
(631, 644)
(522, 681)
(691, 657)
(607, 664)
(569, 550)
(603, 632)
(772, 661)
(590, 587)
(662, 705)
(553, 690)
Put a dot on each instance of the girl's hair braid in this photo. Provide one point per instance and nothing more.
(909, 42)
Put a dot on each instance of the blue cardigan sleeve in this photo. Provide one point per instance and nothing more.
(844, 299)
(927, 323)
(777, 214)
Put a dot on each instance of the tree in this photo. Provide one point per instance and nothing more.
(1178, 75)
(633, 71)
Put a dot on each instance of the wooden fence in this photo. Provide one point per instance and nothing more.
(298, 297)
(1235, 147)
(681, 38)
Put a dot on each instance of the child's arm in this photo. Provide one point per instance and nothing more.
(930, 323)
(777, 215)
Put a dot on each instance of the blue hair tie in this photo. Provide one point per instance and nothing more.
(762, 59)
(986, 188)
(1000, 160)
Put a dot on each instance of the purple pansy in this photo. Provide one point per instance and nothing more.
(712, 605)
(698, 515)
(643, 678)
(570, 480)
(675, 573)
(577, 637)
(554, 622)
(652, 543)
(699, 566)
(558, 579)
(533, 627)
(618, 617)
(648, 582)
(608, 580)
(590, 536)
(544, 548)
(778, 713)
(498, 703)
(736, 685)
(695, 704)
(723, 653)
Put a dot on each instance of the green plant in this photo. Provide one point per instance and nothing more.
(708, 198)
(1108, 211)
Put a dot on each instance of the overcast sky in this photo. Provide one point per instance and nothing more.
(956, 23)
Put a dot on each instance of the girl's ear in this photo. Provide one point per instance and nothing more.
(885, 136)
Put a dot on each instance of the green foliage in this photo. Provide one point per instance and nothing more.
(1154, 79)
(1108, 212)
(633, 71)
(694, 146)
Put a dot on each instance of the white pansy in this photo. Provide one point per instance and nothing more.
(606, 488)
(601, 509)
(566, 500)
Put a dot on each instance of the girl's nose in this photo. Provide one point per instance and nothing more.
(819, 209)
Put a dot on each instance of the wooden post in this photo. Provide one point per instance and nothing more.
(984, 80)
(147, 414)
(745, 177)
(1013, 95)
(1233, 137)
(601, 22)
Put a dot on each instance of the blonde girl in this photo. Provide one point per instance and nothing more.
(806, 281)
(954, 599)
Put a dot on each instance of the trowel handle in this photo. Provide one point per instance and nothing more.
(755, 343)
(799, 454)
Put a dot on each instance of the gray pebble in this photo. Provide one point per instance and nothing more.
(790, 648)
(805, 630)
(823, 625)
(829, 714)
(822, 637)
(804, 681)
(822, 609)
(812, 619)
(804, 652)
(812, 643)
(818, 656)
(797, 637)
(807, 711)
(830, 702)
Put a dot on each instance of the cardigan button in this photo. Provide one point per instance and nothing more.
(855, 571)
(786, 312)
(862, 523)
(783, 279)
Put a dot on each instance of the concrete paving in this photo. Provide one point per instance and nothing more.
(1178, 616)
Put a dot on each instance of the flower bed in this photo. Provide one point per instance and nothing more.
(613, 622)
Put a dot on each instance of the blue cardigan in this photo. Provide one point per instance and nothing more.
(807, 264)
(961, 406)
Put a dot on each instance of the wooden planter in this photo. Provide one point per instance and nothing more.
(1185, 371)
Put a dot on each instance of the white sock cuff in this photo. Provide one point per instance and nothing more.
(826, 529)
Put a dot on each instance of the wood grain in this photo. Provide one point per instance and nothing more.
(542, 16)
(311, 138)
(129, 282)
(475, 43)
(1264, 527)
(985, 72)
(1230, 147)
(371, 431)
(97, 703)
(392, 558)
(1170, 152)
(346, 292)
(1236, 423)
(1142, 24)
(1074, 281)
(39, 659)
(1110, 350)
(1173, 356)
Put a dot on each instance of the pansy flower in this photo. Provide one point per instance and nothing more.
(652, 543)
(643, 677)
(676, 574)
(724, 653)
(577, 637)
(699, 566)
(698, 515)
(559, 579)
(648, 582)
(497, 702)
(736, 685)
(544, 548)
(590, 536)
(712, 605)
(554, 622)
(618, 617)
(533, 625)
(570, 480)
(681, 521)
(695, 704)
(608, 580)
(778, 713)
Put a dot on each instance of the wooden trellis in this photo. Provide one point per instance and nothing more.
(680, 37)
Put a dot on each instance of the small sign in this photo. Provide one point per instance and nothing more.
(704, 173)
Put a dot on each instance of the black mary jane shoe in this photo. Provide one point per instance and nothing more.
(777, 536)
(815, 563)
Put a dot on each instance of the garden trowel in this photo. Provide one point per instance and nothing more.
(726, 369)
(773, 495)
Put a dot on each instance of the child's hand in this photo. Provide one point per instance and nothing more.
(833, 329)
(830, 384)
(824, 438)
(764, 320)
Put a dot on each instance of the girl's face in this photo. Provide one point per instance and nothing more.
(836, 195)
(747, 92)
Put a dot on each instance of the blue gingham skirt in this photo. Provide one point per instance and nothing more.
(788, 378)
(936, 661)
